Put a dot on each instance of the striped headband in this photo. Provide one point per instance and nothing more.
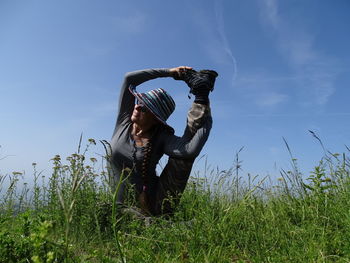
(157, 101)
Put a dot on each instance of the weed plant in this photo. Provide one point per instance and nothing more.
(72, 217)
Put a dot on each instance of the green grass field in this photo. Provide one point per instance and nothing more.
(223, 217)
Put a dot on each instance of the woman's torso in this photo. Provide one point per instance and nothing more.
(126, 154)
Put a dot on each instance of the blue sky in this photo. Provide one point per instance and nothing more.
(283, 70)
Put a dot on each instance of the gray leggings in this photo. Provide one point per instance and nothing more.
(173, 179)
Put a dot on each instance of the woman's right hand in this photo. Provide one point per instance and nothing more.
(178, 72)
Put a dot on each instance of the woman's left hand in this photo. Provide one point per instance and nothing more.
(177, 72)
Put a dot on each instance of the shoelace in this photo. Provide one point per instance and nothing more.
(197, 79)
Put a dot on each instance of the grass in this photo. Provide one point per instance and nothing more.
(221, 218)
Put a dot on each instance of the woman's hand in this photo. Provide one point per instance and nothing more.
(177, 73)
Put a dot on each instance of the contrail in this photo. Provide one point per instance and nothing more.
(221, 29)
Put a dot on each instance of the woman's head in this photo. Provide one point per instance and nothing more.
(142, 116)
(153, 106)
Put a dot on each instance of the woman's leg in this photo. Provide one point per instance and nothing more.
(174, 177)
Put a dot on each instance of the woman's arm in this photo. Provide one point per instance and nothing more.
(131, 80)
(199, 123)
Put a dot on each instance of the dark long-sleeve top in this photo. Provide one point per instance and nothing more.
(125, 154)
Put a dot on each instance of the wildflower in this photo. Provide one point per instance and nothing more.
(92, 141)
(57, 158)
(36, 259)
(50, 256)
(17, 173)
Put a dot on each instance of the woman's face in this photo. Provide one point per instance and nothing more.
(142, 116)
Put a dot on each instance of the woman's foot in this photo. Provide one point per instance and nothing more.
(199, 81)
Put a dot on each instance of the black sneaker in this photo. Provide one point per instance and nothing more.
(199, 80)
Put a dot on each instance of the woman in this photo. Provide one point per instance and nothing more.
(141, 137)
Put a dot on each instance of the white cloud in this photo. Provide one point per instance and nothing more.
(265, 78)
(213, 36)
(271, 99)
(225, 44)
(272, 16)
(316, 74)
(263, 88)
(130, 23)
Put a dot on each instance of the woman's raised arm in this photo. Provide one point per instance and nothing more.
(131, 80)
